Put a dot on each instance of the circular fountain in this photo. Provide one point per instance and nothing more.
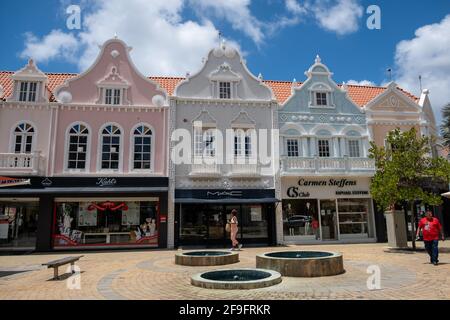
(302, 263)
(206, 258)
(231, 279)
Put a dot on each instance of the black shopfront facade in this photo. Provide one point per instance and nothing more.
(201, 217)
(82, 213)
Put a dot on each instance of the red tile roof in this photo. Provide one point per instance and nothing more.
(361, 95)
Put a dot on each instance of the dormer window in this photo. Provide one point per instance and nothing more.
(27, 91)
(113, 96)
(224, 90)
(321, 99)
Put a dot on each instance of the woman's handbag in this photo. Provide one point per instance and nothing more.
(228, 227)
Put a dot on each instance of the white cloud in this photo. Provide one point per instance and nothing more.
(55, 45)
(236, 12)
(361, 83)
(339, 16)
(163, 43)
(294, 7)
(427, 54)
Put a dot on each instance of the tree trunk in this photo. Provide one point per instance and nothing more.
(413, 226)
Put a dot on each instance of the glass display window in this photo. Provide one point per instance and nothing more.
(354, 217)
(108, 222)
(301, 219)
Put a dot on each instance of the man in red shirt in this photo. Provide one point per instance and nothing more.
(431, 229)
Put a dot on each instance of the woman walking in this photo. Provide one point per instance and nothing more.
(234, 230)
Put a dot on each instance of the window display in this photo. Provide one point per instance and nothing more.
(354, 216)
(300, 218)
(106, 223)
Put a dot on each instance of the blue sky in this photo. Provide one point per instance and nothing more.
(279, 51)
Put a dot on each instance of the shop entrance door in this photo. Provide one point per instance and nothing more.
(328, 219)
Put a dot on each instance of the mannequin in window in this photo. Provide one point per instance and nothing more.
(310, 214)
(289, 214)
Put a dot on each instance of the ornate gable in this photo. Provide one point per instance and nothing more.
(224, 64)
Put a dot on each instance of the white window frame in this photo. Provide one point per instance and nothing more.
(67, 149)
(329, 142)
(227, 91)
(113, 96)
(242, 143)
(349, 148)
(100, 149)
(27, 91)
(288, 146)
(152, 148)
(24, 135)
(201, 149)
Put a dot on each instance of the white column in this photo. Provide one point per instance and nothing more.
(343, 147)
(312, 147)
(365, 147)
(305, 151)
(335, 147)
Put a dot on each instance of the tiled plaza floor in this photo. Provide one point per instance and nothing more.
(153, 275)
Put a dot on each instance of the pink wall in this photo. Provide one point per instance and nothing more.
(84, 88)
(95, 120)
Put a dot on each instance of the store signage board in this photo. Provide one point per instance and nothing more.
(326, 188)
(12, 182)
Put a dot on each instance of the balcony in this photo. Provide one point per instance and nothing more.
(327, 166)
(245, 170)
(204, 168)
(20, 163)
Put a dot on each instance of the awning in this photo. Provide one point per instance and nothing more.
(12, 182)
(226, 201)
(76, 191)
(446, 195)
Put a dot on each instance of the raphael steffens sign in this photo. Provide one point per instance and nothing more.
(328, 187)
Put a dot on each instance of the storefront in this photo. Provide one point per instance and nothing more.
(201, 217)
(84, 213)
(327, 209)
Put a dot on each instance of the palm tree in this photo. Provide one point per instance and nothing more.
(445, 127)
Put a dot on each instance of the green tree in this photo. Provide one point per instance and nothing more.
(407, 173)
(445, 127)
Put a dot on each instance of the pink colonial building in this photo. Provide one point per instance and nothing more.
(87, 154)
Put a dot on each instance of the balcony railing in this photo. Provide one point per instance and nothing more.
(327, 165)
(244, 170)
(203, 167)
(20, 163)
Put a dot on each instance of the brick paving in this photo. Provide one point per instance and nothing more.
(142, 275)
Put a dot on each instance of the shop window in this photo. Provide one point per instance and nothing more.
(142, 140)
(292, 148)
(354, 149)
(253, 222)
(18, 224)
(78, 145)
(27, 92)
(324, 148)
(354, 217)
(93, 223)
(23, 138)
(111, 136)
(300, 219)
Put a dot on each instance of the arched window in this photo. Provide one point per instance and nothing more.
(23, 138)
(78, 147)
(142, 144)
(110, 137)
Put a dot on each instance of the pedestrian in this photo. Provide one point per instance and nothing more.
(431, 229)
(234, 230)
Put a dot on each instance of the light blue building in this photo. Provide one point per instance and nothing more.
(325, 169)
